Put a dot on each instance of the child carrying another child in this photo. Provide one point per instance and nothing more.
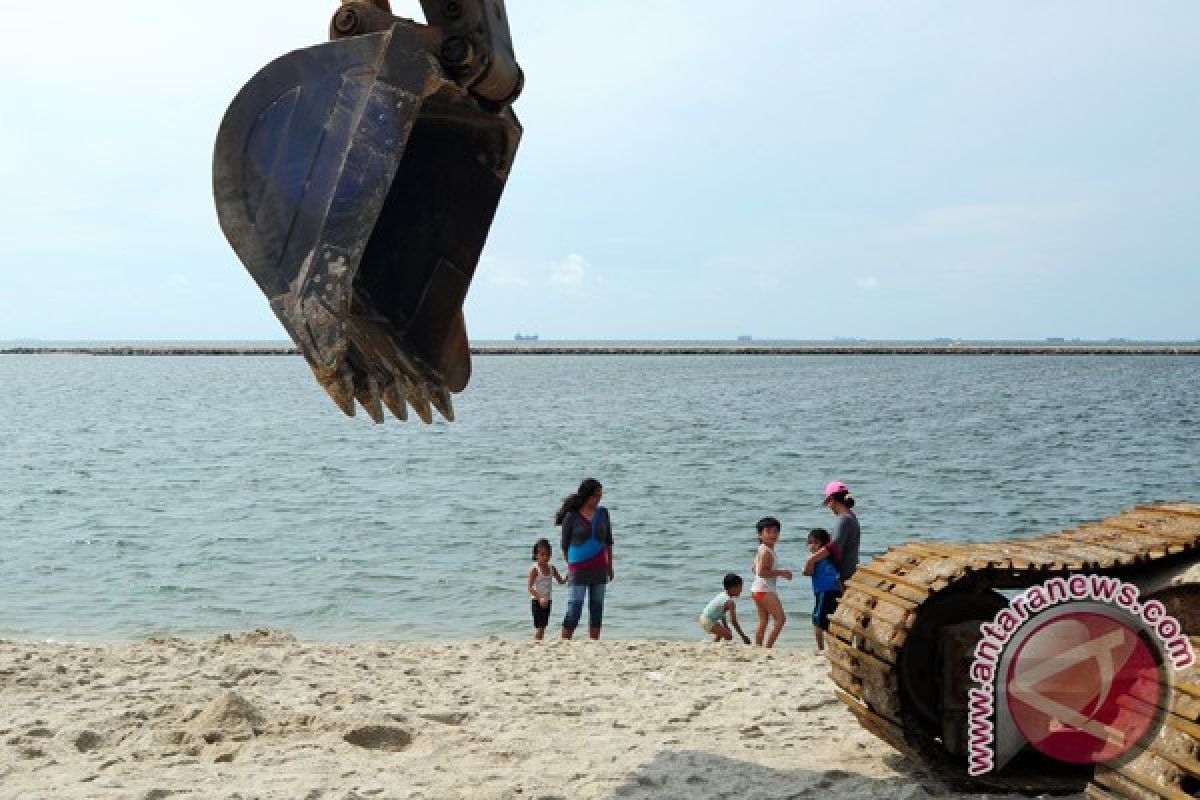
(542, 576)
(712, 618)
(822, 565)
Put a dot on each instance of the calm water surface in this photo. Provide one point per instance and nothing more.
(193, 495)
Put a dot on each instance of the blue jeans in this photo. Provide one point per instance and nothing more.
(575, 593)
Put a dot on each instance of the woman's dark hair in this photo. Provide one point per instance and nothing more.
(844, 498)
(539, 544)
(574, 502)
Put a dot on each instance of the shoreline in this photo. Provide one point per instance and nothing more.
(263, 714)
(1031, 349)
(552, 634)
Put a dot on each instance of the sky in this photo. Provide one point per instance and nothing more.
(786, 169)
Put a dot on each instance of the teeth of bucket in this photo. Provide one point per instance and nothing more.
(339, 385)
(418, 398)
(442, 402)
(369, 397)
(357, 184)
(395, 403)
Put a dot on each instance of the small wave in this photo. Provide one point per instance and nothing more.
(236, 539)
(241, 612)
(89, 541)
(323, 610)
(174, 588)
(379, 576)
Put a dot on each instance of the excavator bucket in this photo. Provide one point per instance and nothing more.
(357, 182)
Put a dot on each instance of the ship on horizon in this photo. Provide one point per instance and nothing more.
(525, 337)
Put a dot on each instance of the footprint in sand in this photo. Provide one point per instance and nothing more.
(226, 757)
(379, 737)
(87, 741)
(821, 701)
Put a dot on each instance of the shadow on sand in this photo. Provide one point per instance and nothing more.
(695, 775)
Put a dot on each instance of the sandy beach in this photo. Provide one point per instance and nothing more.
(261, 715)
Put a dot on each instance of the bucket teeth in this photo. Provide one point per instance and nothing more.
(418, 398)
(339, 385)
(369, 397)
(394, 400)
(442, 402)
(379, 358)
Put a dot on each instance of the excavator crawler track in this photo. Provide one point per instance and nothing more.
(897, 612)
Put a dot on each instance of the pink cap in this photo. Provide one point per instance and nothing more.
(833, 487)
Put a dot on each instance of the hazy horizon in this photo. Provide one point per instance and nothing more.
(731, 339)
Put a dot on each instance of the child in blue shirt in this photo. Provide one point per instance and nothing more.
(822, 565)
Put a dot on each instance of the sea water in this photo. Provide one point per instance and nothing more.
(186, 496)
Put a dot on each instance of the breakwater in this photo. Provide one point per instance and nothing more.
(843, 350)
(659, 350)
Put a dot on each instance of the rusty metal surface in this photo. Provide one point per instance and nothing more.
(900, 609)
(1170, 765)
(357, 180)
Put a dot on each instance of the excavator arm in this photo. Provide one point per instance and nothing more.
(356, 180)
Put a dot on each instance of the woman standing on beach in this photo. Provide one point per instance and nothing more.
(587, 547)
(846, 530)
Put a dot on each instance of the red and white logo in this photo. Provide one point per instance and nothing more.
(1077, 667)
(1084, 688)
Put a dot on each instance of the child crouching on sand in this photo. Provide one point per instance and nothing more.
(542, 576)
(822, 565)
(712, 618)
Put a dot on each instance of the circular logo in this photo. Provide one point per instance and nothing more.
(1084, 688)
